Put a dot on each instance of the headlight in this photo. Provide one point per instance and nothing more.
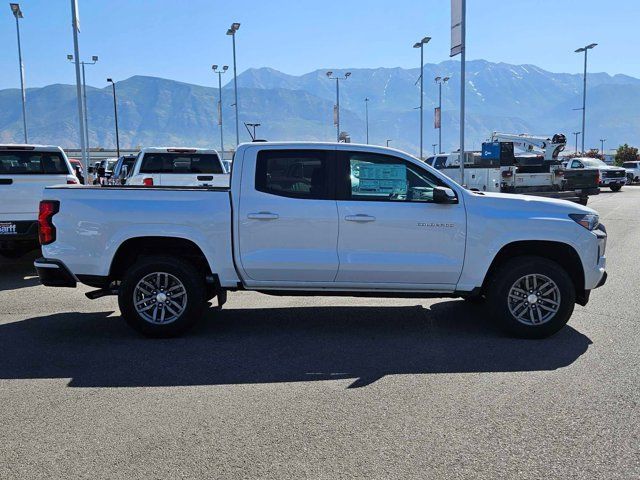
(590, 221)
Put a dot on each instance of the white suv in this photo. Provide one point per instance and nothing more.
(633, 171)
(25, 170)
(192, 167)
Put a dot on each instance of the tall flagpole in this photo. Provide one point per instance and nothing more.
(76, 51)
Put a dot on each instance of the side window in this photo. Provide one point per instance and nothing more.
(378, 177)
(577, 164)
(294, 173)
(440, 163)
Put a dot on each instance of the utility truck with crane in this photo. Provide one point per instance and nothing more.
(535, 170)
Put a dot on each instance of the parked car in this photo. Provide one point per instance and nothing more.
(122, 170)
(179, 167)
(610, 176)
(76, 164)
(633, 171)
(323, 219)
(24, 172)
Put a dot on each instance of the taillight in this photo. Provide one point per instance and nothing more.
(147, 182)
(46, 229)
(560, 173)
(507, 173)
(72, 181)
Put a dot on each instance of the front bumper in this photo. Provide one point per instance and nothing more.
(607, 182)
(54, 273)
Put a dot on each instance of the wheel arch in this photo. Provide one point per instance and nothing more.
(561, 253)
(134, 248)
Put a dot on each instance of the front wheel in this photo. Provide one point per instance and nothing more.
(162, 296)
(615, 188)
(531, 297)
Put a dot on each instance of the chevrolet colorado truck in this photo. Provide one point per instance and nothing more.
(322, 219)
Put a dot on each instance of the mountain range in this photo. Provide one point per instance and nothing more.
(500, 97)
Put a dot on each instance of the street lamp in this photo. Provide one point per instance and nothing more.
(232, 31)
(220, 72)
(440, 81)
(420, 45)
(366, 116)
(15, 9)
(115, 113)
(576, 134)
(602, 140)
(337, 111)
(94, 60)
(584, 49)
(254, 125)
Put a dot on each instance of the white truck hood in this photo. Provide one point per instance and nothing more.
(530, 203)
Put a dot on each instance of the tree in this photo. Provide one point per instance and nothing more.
(625, 153)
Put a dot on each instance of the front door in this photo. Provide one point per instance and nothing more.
(390, 230)
(287, 217)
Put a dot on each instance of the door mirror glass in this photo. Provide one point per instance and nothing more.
(90, 169)
(444, 195)
(101, 171)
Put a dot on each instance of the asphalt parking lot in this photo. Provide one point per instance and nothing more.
(323, 387)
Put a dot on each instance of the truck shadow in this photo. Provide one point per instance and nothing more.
(243, 346)
(18, 273)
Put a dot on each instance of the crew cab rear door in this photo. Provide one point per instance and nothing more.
(391, 232)
(287, 219)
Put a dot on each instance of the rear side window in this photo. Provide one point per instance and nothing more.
(32, 163)
(180, 163)
(630, 164)
(294, 173)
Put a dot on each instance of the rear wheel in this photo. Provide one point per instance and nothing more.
(615, 188)
(162, 296)
(531, 297)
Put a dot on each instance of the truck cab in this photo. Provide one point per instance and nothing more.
(178, 167)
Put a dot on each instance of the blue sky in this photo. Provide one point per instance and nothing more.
(181, 39)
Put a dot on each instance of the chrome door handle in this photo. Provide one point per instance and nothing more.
(263, 216)
(360, 218)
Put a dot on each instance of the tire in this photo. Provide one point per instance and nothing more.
(150, 284)
(615, 188)
(510, 276)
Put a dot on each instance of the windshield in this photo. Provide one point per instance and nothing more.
(593, 162)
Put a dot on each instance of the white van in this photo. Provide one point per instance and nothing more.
(25, 170)
(171, 166)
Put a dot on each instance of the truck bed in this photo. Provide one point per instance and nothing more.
(93, 222)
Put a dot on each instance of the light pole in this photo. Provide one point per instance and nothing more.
(602, 140)
(232, 31)
(337, 119)
(115, 113)
(576, 134)
(366, 116)
(420, 45)
(584, 49)
(220, 72)
(93, 61)
(388, 140)
(15, 8)
(253, 125)
(75, 24)
(440, 81)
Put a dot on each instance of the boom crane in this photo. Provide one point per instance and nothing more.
(549, 147)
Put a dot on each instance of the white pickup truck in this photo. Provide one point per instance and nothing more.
(322, 219)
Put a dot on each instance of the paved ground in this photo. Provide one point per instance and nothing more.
(323, 388)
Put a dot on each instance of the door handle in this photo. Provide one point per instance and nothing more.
(263, 216)
(360, 218)
(205, 178)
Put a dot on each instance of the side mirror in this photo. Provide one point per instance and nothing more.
(101, 172)
(444, 195)
(90, 169)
